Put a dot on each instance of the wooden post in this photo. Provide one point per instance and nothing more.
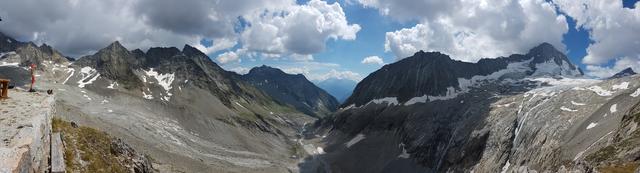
(4, 83)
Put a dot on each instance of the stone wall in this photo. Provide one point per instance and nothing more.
(25, 131)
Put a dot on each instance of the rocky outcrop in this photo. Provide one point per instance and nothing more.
(294, 90)
(26, 129)
(436, 74)
(137, 162)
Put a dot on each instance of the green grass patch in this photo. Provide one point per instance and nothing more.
(622, 168)
(87, 149)
(603, 154)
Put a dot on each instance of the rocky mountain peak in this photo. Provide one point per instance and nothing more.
(114, 62)
(624, 73)
(192, 51)
(115, 46)
(547, 60)
(266, 70)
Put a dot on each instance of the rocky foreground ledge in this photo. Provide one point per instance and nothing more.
(25, 131)
(32, 136)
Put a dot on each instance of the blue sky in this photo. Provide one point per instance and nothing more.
(347, 54)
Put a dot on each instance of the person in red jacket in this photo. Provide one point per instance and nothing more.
(33, 77)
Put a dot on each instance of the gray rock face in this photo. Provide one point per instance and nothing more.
(25, 54)
(432, 73)
(293, 90)
(511, 118)
(113, 62)
(139, 163)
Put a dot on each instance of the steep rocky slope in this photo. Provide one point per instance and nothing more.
(428, 113)
(177, 106)
(294, 90)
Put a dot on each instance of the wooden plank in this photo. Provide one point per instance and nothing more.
(57, 154)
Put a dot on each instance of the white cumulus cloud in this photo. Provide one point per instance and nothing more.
(372, 60)
(228, 57)
(613, 31)
(350, 75)
(300, 29)
(273, 28)
(618, 66)
(469, 30)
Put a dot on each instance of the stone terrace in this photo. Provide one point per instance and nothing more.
(25, 129)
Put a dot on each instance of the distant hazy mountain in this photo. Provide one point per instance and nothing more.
(339, 88)
(294, 90)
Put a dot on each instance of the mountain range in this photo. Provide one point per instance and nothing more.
(177, 105)
(532, 112)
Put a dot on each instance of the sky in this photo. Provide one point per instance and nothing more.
(344, 39)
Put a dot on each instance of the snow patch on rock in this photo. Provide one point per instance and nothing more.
(147, 96)
(6, 53)
(577, 104)
(567, 109)
(591, 125)
(355, 140)
(72, 72)
(506, 166)
(113, 85)
(4, 64)
(601, 92)
(404, 153)
(451, 93)
(164, 80)
(613, 108)
(387, 100)
(87, 72)
(621, 86)
(636, 93)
